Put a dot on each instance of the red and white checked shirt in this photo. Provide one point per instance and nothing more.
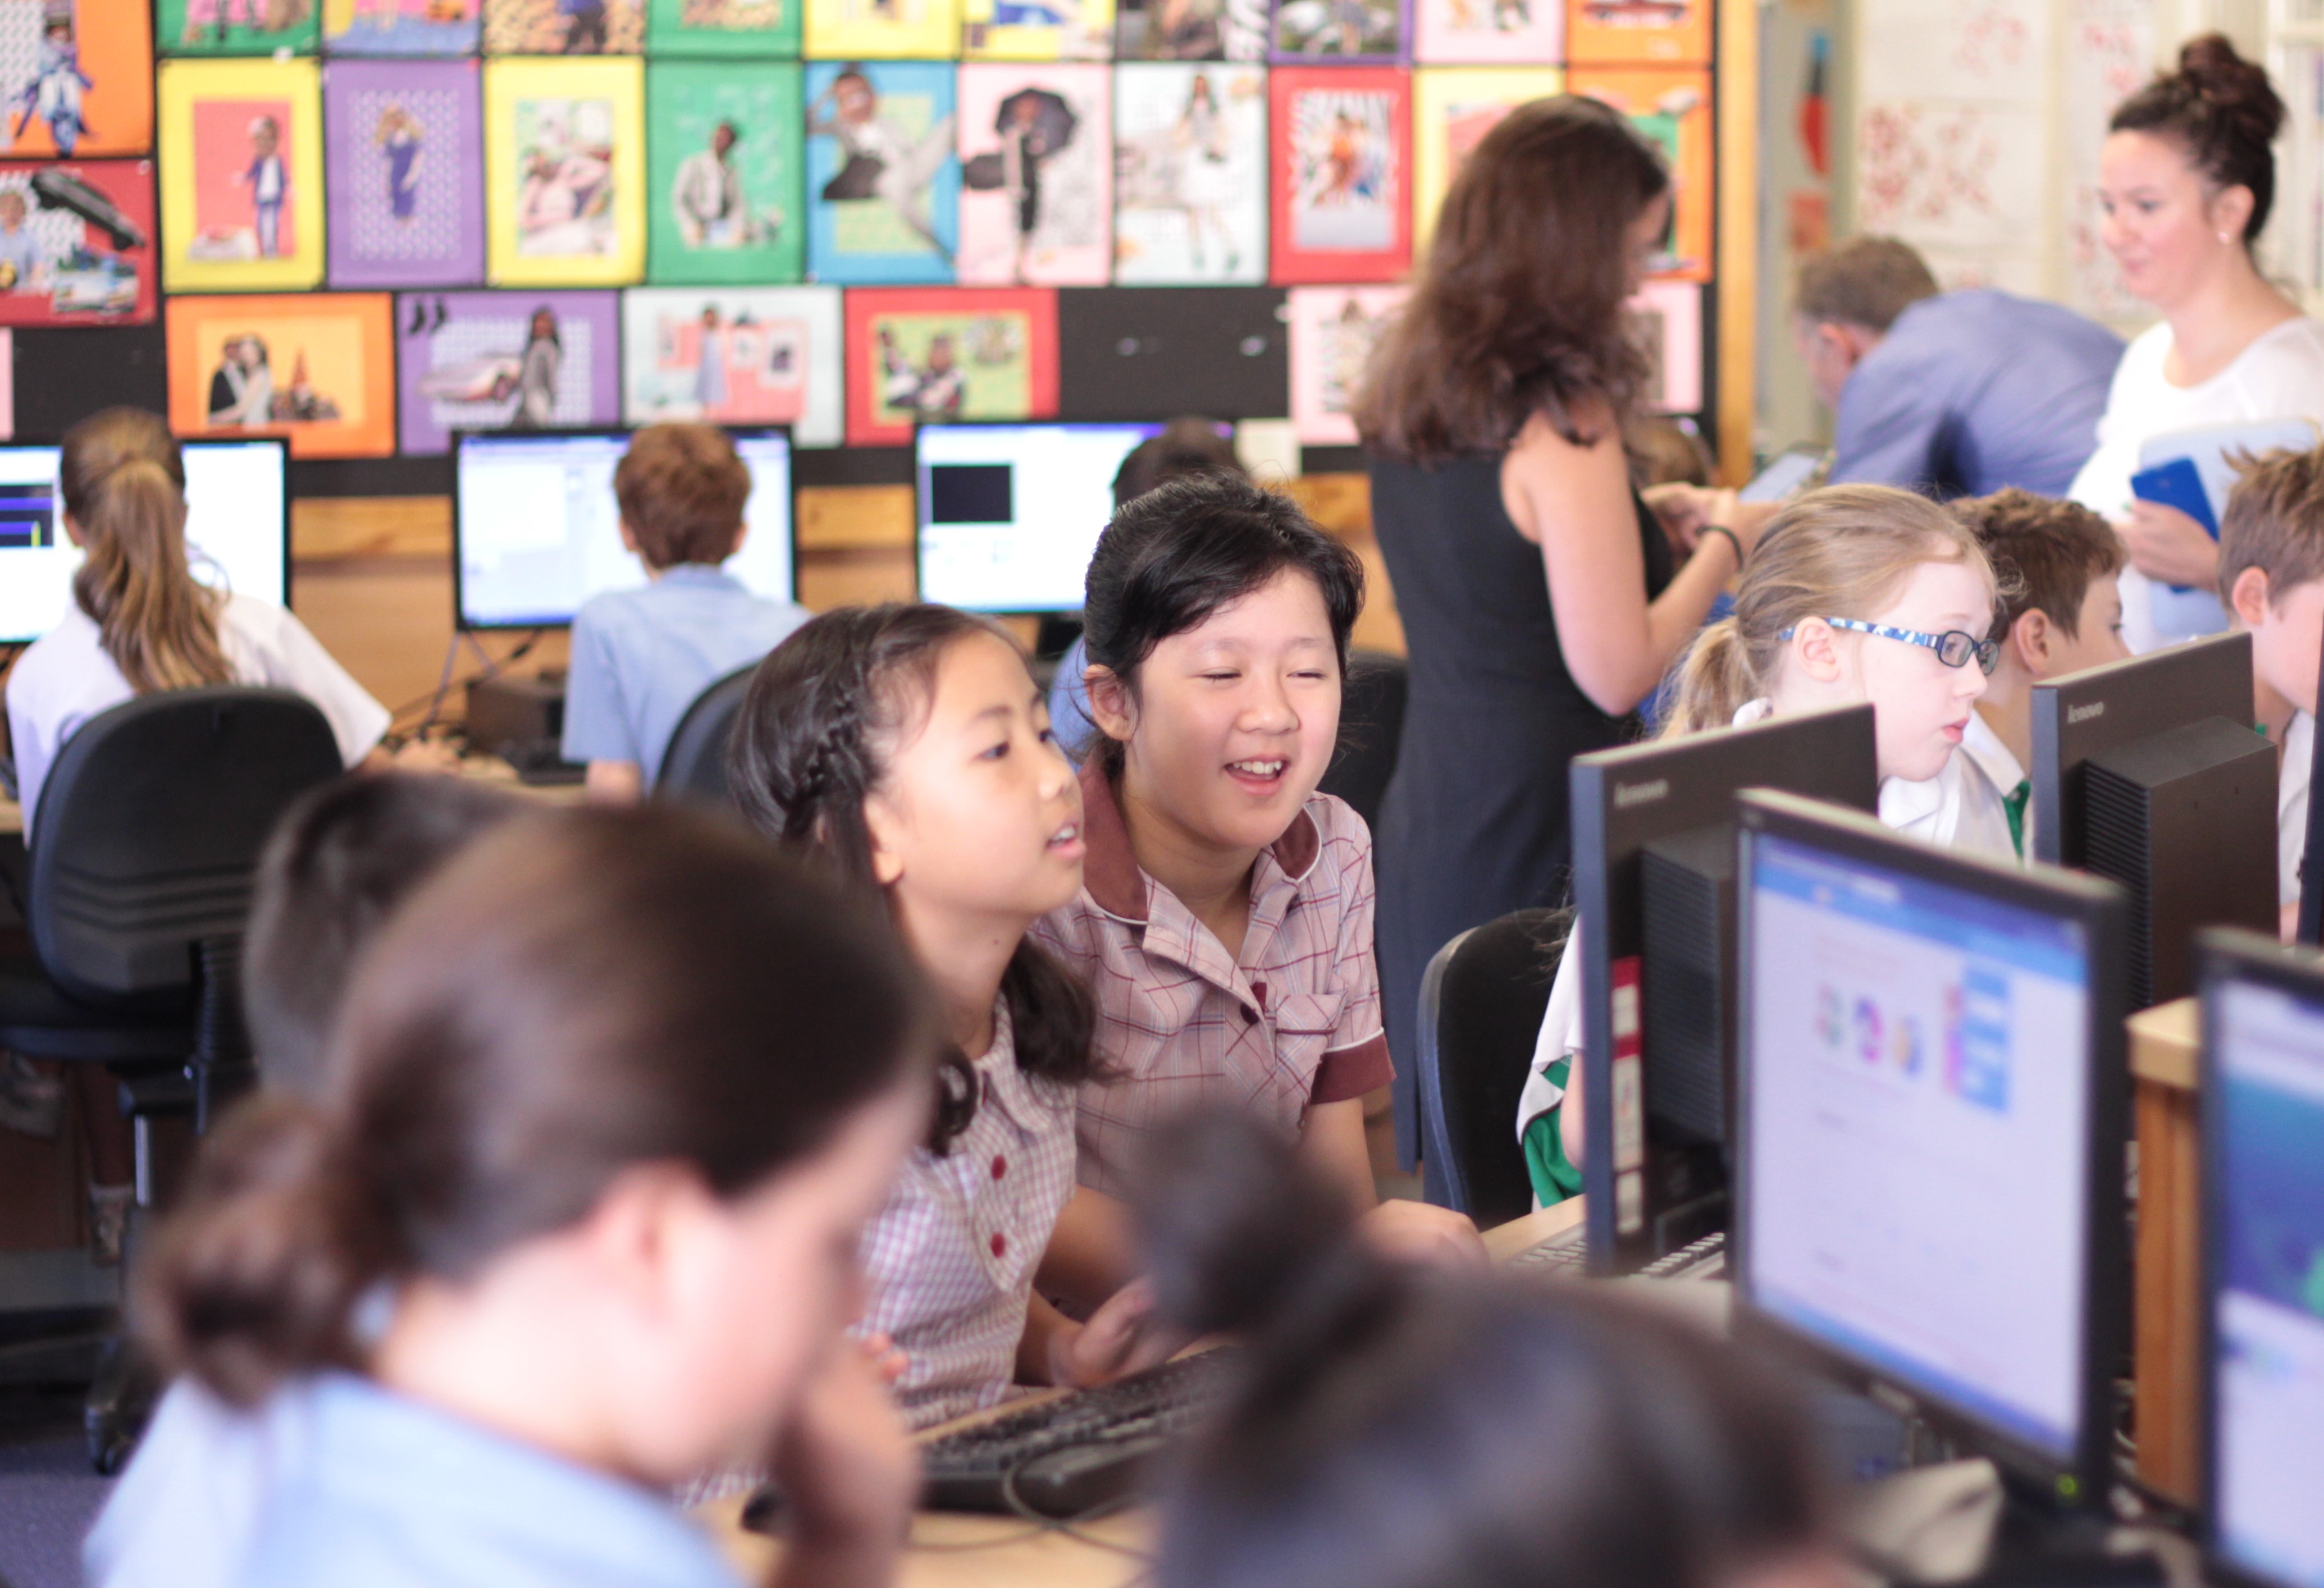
(1294, 1021)
(949, 1260)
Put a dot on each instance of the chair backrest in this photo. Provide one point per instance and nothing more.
(694, 767)
(150, 825)
(1482, 1003)
(1372, 723)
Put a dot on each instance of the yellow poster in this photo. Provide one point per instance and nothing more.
(242, 175)
(1453, 109)
(882, 30)
(564, 172)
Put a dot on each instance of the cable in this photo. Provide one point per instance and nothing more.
(1070, 1526)
(493, 667)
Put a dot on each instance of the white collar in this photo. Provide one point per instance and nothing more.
(1905, 804)
(1990, 756)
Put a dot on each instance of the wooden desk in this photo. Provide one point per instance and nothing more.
(12, 815)
(2166, 1371)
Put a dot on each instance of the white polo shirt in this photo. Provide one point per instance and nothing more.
(2292, 804)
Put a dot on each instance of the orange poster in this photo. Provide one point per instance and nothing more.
(1672, 108)
(318, 368)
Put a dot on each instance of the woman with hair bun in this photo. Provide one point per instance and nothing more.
(2187, 181)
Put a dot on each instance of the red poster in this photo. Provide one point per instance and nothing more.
(1341, 141)
(936, 354)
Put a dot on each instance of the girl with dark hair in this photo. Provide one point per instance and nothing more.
(2187, 179)
(908, 745)
(1538, 593)
(607, 1105)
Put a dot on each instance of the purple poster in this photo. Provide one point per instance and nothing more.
(404, 172)
(504, 361)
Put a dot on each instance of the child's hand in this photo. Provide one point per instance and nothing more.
(849, 1476)
(1122, 1336)
(2167, 545)
(1419, 1232)
(887, 1358)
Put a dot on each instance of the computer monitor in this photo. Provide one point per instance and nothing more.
(1653, 871)
(1008, 514)
(536, 531)
(237, 530)
(2263, 1090)
(2311, 851)
(1929, 1196)
(2148, 771)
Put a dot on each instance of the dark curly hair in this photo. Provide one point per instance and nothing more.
(2222, 110)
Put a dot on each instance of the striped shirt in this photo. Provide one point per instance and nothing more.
(949, 1260)
(1295, 1020)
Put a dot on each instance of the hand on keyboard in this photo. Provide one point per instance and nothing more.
(1122, 1336)
(848, 1472)
(1418, 1232)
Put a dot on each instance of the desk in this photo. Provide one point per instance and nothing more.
(2167, 1365)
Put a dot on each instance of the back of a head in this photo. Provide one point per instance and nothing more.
(1865, 282)
(2045, 552)
(682, 489)
(2275, 522)
(573, 994)
(1184, 447)
(342, 857)
(2222, 112)
(124, 484)
(1397, 1428)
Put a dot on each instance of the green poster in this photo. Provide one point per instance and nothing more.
(723, 160)
(760, 28)
(237, 27)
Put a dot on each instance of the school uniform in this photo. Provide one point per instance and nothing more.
(64, 678)
(183, 1514)
(2292, 804)
(949, 1260)
(1292, 1022)
(1992, 768)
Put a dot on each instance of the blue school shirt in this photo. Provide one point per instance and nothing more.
(640, 656)
(394, 1493)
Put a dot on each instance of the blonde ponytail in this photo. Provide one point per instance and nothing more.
(123, 485)
(1714, 680)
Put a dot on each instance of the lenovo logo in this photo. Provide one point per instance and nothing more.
(2084, 713)
(1627, 794)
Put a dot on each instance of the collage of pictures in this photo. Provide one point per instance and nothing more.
(368, 224)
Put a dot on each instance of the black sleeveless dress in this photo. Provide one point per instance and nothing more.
(1474, 823)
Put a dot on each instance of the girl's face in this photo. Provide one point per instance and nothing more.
(1921, 707)
(1233, 722)
(979, 815)
(856, 101)
(2162, 222)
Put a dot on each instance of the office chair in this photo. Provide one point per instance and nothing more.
(694, 767)
(1481, 1002)
(1371, 724)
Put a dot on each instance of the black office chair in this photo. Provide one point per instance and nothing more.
(694, 767)
(1371, 724)
(1481, 1002)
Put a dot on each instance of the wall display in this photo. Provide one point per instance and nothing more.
(1191, 30)
(401, 27)
(768, 355)
(1341, 141)
(1672, 107)
(1670, 326)
(1488, 32)
(503, 360)
(1151, 353)
(564, 172)
(78, 77)
(77, 243)
(1334, 330)
(1638, 32)
(1037, 30)
(63, 374)
(1190, 164)
(761, 29)
(1453, 109)
(725, 201)
(317, 367)
(987, 353)
(564, 27)
(406, 187)
(882, 30)
(1338, 30)
(882, 173)
(242, 175)
(236, 27)
(1036, 171)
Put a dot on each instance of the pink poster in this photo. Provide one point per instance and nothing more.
(1037, 174)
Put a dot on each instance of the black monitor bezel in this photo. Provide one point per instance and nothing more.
(1152, 428)
(461, 437)
(2310, 928)
(2083, 1481)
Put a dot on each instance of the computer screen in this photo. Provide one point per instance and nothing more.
(1920, 1195)
(2264, 1115)
(1008, 514)
(536, 531)
(237, 530)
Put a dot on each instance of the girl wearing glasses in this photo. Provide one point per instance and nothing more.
(1853, 594)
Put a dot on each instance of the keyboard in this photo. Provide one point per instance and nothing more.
(1567, 1253)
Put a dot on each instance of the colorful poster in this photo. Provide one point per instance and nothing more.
(317, 367)
(564, 27)
(1672, 108)
(959, 354)
(401, 27)
(407, 193)
(78, 76)
(564, 172)
(882, 176)
(1338, 30)
(236, 27)
(1670, 326)
(1334, 330)
(77, 245)
(1485, 33)
(242, 164)
(503, 360)
(1037, 30)
(768, 356)
(1341, 141)
(1453, 109)
(1191, 30)
(759, 29)
(1190, 174)
(1642, 32)
(1037, 169)
(882, 30)
(725, 194)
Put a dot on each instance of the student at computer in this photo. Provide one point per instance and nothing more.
(343, 857)
(1402, 1427)
(2272, 569)
(640, 656)
(1854, 593)
(610, 1100)
(908, 746)
(1225, 917)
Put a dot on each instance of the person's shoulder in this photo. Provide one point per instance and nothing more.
(2295, 347)
(62, 650)
(1343, 838)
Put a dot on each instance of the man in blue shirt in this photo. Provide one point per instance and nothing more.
(640, 656)
(1950, 393)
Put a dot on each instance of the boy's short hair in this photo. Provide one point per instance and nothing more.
(2274, 521)
(340, 860)
(2046, 552)
(1184, 447)
(1864, 282)
(682, 489)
